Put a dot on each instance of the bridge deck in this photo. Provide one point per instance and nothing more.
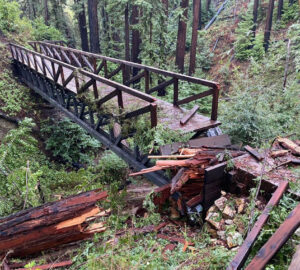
(167, 114)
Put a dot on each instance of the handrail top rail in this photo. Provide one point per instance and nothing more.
(136, 65)
(117, 85)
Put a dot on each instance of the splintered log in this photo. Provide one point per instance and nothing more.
(244, 250)
(288, 144)
(254, 153)
(279, 153)
(52, 224)
(182, 163)
(277, 240)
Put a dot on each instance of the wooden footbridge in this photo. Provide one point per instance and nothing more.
(92, 89)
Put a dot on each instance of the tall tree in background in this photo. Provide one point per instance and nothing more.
(136, 38)
(196, 15)
(166, 6)
(82, 26)
(268, 27)
(255, 14)
(181, 36)
(93, 26)
(279, 9)
(208, 5)
(46, 12)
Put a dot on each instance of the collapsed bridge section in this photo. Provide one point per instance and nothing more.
(61, 75)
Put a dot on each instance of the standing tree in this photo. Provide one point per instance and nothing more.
(166, 6)
(46, 12)
(279, 9)
(255, 13)
(207, 5)
(181, 36)
(135, 39)
(196, 15)
(93, 26)
(268, 25)
(82, 25)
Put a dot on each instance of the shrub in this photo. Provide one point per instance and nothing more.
(41, 31)
(69, 142)
(110, 169)
(9, 15)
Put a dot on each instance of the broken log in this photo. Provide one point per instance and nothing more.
(279, 153)
(52, 224)
(176, 178)
(288, 144)
(276, 241)
(244, 250)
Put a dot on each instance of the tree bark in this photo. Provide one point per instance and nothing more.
(93, 26)
(255, 12)
(46, 12)
(208, 5)
(83, 27)
(268, 25)
(196, 15)
(127, 38)
(136, 39)
(166, 6)
(181, 36)
(279, 9)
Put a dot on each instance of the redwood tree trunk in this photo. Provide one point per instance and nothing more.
(46, 12)
(196, 15)
(279, 9)
(93, 26)
(83, 28)
(268, 25)
(255, 11)
(208, 5)
(136, 39)
(166, 6)
(181, 36)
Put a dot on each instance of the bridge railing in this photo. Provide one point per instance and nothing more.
(79, 80)
(131, 73)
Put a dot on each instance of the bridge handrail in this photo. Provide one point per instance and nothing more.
(19, 53)
(89, 60)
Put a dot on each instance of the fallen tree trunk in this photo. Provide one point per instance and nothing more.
(52, 224)
(288, 144)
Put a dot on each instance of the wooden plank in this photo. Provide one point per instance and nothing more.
(135, 78)
(160, 86)
(244, 250)
(177, 178)
(296, 260)
(190, 114)
(195, 200)
(254, 153)
(276, 241)
(49, 266)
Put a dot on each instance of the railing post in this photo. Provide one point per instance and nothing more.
(120, 99)
(95, 89)
(175, 97)
(147, 80)
(105, 68)
(62, 74)
(215, 101)
(153, 112)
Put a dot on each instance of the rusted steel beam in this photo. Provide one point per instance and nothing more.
(135, 78)
(190, 114)
(194, 97)
(244, 250)
(277, 240)
(114, 72)
(161, 86)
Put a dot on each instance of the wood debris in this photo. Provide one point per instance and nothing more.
(52, 224)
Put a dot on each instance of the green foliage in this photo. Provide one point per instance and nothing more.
(246, 45)
(17, 153)
(41, 31)
(10, 20)
(148, 139)
(290, 13)
(204, 55)
(13, 96)
(69, 142)
(110, 169)
(277, 217)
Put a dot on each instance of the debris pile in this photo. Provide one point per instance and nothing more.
(52, 224)
(224, 219)
(188, 167)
